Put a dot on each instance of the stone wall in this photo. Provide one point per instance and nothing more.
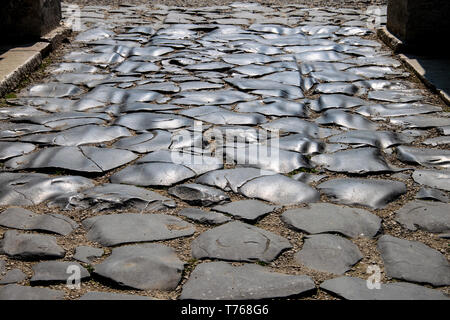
(421, 24)
(28, 19)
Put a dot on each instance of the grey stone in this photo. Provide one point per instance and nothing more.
(279, 189)
(242, 59)
(97, 296)
(19, 218)
(30, 246)
(14, 149)
(114, 229)
(13, 276)
(198, 194)
(306, 128)
(356, 289)
(413, 261)
(326, 217)
(360, 161)
(346, 119)
(433, 178)
(379, 139)
(222, 281)
(328, 253)
(56, 271)
(113, 197)
(209, 217)
(143, 267)
(219, 97)
(395, 110)
(149, 121)
(248, 210)
(87, 254)
(335, 101)
(437, 141)
(425, 215)
(395, 95)
(372, 193)
(16, 292)
(23, 189)
(55, 90)
(420, 121)
(273, 107)
(426, 157)
(237, 241)
(145, 142)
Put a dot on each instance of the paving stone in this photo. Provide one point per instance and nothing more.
(96, 295)
(273, 107)
(142, 267)
(112, 197)
(56, 271)
(346, 119)
(150, 121)
(379, 139)
(279, 189)
(209, 217)
(30, 246)
(432, 194)
(198, 194)
(413, 261)
(359, 161)
(372, 193)
(82, 159)
(425, 157)
(146, 142)
(219, 97)
(296, 125)
(24, 189)
(114, 229)
(425, 215)
(13, 276)
(351, 288)
(433, 178)
(327, 218)
(87, 254)
(14, 149)
(247, 210)
(335, 101)
(222, 281)
(420, 121)
(395, 110)
(16, 292)
(237, 241)
(55, 90)
(328, 253)
(437, 141)
(19, 218)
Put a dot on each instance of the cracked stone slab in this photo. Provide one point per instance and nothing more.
(279, 189)
(379, 139)
(346, 119)
(80, 135)
(14, 149)
(231, 179)
(97, 295)
(413, 261)
(398, 96)
(247, 210)
(94, 34)
(19, 218)
(82, 159)
(142, 267)
(87, 254)
(13, 276)
(237, 241)
(112, 197)
(56, 271)
(351, 288)
(30, 246)
(146, 142)
(202, 216)
(17, 292)
(289, 92)
(24, 189)
(426, 157)
(114, 229)
(328, 253)
(433, 178)
(327, 218)
(372, 193)
(360, 161)
(223, 281)
(198, 194)
(425, 215)
(218, 115)
(153, 174)
(54, 90)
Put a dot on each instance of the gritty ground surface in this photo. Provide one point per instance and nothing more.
(188, 45)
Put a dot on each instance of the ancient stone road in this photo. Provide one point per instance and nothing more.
(134, 163)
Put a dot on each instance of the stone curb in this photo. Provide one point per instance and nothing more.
(412, 65)
(17, 63)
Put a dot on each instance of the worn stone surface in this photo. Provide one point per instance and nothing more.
(142, 267)
(56, 271)
(16, 292)
(13, 276)
(87, 254)
(413, 261)
(222, 281)
(248, 210)
(209, 217)
(425, 215)
(114, 229)
(237, 241)
(198, 194)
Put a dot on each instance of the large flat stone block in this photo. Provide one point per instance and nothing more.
(421, 24)
(28, 19)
